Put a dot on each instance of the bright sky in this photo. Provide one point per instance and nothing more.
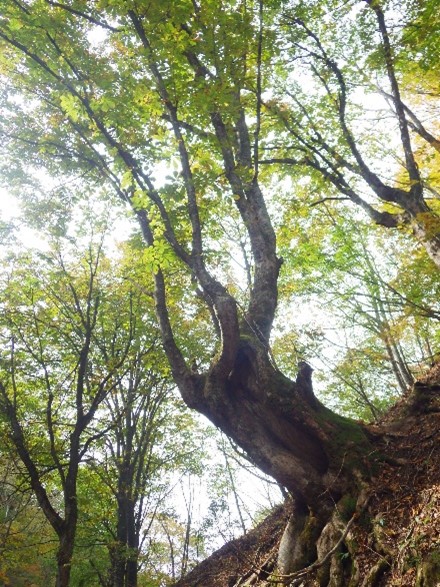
(10, 211)
(8, 206)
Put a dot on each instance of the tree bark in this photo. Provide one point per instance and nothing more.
(314, 453)
(123, 553)
(64, 555)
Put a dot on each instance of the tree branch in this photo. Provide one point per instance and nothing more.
(411, 165)
(415, 123)
(18, 439)
(91, 19)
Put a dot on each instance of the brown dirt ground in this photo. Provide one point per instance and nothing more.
(401, 526)
(240, 557)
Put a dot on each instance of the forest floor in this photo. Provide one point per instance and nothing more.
(396, 536)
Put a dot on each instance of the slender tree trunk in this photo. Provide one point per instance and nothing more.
(124, 553)
(133, 546)
(396, 367)
(234, 491)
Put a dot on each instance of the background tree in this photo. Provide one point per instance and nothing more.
(54, 366)
(148, 446)
(371, 330)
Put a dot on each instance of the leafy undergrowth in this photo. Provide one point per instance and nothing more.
(396, 542)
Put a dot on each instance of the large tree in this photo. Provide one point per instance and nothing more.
(173, 105)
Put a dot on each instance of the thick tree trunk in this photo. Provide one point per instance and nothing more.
(426, 227)
(117, 564)
(67, 531)
(133, 546)
(317, 455)
(323, 459)
(382, 532)
(64, 555)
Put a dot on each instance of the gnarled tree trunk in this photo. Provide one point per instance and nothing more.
(323, 459)
(382, 531)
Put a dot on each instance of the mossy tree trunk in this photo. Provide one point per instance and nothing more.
(324, 460)
(379, 528)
